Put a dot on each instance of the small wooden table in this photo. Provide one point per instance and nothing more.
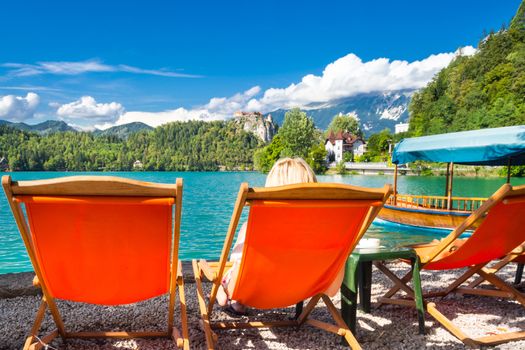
(358, 275)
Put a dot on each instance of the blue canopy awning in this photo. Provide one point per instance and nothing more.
(476, 147)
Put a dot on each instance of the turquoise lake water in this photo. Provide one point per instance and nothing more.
(208, 203)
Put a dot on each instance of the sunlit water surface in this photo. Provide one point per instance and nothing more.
(208, 203)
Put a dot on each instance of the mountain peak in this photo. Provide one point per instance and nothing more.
(124, 130)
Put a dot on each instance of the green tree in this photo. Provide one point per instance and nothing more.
(264, 158)
(317, 158)
(340, 168)
(484, 90)
(298, 134)
(192, 145)
(345, 122)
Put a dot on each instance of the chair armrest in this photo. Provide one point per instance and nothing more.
(208, 271)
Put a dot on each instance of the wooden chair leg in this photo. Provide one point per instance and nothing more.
(348, 335)
(400, 284)
(209, 334)
(496, 281)
(183, 314)
(308, 309)
(30, 343)
(392, 291)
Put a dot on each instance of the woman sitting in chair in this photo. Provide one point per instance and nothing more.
(286, 171)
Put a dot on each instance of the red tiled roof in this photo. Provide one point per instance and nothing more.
(348, 138)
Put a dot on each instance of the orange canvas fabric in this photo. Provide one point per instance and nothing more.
(294, 249)
(102, 250)
(501, 231)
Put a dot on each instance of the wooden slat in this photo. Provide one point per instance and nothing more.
(501, 338)
(326, 326)
(207, 270)
(317, 191)
(397, 301)
(465, 204)
(458, 333)
(125, 335)
(484, 292)
(252, 324)
(93, 186)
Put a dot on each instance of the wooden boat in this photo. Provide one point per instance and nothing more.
(428, 211)
(498, 146)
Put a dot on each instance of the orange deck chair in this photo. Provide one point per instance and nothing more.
(298, 237)
(100, 240)
(500, 235)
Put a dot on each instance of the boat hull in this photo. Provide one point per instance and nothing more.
(423, 217)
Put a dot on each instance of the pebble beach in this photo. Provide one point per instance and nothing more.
(388, 327)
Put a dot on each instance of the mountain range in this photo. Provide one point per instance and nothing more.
(44, 128)
(375, 111)
(124, 130)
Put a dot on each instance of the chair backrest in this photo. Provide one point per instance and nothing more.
(298, 238)
(501, 231)
(100, 240)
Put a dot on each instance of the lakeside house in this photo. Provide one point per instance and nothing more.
(138, 165)
(338, 144)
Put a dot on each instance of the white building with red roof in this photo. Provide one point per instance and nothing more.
(341, 142)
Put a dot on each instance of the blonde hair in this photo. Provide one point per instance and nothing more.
(287, 171)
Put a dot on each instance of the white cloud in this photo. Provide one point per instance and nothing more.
(86, 109)
(88, 66)
(345, 77)
(18, 108)
(228, 105)
(158, 118)
(349, 76)
(218, 108)
(29, 88)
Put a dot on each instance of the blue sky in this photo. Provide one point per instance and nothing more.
(91, 63)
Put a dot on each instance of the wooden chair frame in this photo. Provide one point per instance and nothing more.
(98, 186)
(214, 271)
(485, 274)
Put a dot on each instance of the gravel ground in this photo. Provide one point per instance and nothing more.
(390, 327)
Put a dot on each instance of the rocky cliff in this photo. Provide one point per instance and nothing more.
(255, 122)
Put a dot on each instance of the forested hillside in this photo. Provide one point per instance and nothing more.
(193, 145)
(481, 91)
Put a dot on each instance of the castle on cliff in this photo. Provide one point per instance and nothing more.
(257, 123)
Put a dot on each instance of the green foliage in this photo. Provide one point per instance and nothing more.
(518, 22)
(296, 138)
(342, 122)
(348, 157)
(481, 91)
(377, 146)
(317, 158)
(340, 168)
(515, 171)
(298, 134)
(264, 158)
(193, 145)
